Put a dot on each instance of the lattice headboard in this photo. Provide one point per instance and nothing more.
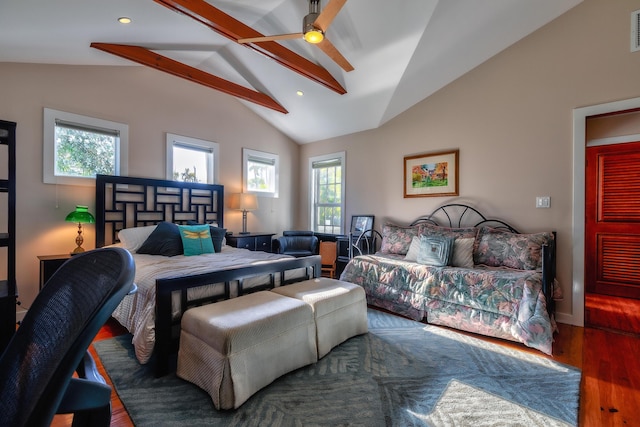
(124, 202)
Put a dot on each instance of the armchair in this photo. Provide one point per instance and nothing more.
(297, 243)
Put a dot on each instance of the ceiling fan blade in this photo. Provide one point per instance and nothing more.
(328, 14)
(327, 47)
(271, 38)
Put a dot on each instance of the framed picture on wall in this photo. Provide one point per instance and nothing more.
(432, 174)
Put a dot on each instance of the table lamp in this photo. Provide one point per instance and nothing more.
(82, 216)
(243, 202)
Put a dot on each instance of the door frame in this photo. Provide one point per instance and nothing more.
(580, 116)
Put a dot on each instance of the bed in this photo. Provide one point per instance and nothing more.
(169, 285)
(496, 281)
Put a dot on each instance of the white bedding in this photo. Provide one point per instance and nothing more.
(137, 312)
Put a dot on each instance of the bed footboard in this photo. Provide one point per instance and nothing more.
(167, 327)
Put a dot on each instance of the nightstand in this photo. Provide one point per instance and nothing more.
(251, 241)
(49, 264)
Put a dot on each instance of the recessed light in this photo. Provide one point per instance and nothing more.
(124, 20)
(300, 93)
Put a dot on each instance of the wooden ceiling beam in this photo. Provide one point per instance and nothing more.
(233, 29)
(151, 59)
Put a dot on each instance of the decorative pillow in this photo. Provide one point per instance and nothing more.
(164, 240)
(457, 233)
(501, 248)
(397, 239)
(463, 247)
(196, 239)
(133, 238)
(414, 248)
(435, 250)
(217, 235)
(463, 252)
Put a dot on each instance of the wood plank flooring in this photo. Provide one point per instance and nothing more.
(609, 392)
(612, 313)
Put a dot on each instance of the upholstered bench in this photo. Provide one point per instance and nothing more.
(233, 348)
(340, 309)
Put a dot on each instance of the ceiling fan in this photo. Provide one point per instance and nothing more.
(314, 27)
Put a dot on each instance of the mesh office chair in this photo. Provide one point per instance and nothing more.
(37, 366)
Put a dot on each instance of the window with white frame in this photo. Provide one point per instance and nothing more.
(260, 172)
(327, 193)
(76, 148)
(192, 159)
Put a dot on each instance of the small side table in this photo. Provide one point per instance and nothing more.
(49, 264)
(251, 241)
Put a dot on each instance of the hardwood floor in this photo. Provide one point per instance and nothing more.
(612, 313)
(609, 392)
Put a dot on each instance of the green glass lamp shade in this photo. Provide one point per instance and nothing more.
(81, 215)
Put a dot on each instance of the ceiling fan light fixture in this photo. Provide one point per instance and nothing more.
(313, 36)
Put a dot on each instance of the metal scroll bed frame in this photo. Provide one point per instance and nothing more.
(125, 202)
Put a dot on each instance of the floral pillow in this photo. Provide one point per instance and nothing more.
(501, 248)
(396, 239)
(456, 233)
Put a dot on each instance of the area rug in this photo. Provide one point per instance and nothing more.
(401, 373)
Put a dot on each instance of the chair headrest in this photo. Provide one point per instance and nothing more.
(297, 233)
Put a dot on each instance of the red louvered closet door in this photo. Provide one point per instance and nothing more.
(612, 240)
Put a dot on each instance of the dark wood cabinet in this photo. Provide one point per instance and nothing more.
(251, 241)
(8, 233)
(49, 264)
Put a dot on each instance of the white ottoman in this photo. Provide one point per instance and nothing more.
(233, 348)
(340, 309)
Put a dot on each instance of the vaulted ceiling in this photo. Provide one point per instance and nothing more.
(402, 50)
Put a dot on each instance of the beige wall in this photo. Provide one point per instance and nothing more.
(151, 103)
(511, 118)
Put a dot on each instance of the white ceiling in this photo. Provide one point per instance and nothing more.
(402, 50)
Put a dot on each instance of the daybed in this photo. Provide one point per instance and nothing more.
(129, 210)
(496, 282)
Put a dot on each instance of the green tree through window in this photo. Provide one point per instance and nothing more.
(84, 152)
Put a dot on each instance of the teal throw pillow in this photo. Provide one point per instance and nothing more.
(196, 239)
(435, 250)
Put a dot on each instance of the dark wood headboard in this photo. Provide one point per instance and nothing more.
(125, 202)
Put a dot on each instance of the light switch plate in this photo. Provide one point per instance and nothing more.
(543, 202)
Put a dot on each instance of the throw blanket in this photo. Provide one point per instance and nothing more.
(499, 302)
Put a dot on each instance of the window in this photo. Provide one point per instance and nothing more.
(77, 148)
(327, 193)
(191, 159)
(260, 172)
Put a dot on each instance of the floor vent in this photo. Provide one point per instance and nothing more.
(635, 31)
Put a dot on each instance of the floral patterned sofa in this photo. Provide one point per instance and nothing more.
(496, 282)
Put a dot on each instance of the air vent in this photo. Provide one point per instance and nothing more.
(635, 31)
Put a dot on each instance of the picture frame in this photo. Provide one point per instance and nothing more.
(431, 174)
(360, 224)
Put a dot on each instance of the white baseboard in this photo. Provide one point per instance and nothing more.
(20, 314)
(568, 319)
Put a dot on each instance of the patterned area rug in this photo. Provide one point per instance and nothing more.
(402, 373)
